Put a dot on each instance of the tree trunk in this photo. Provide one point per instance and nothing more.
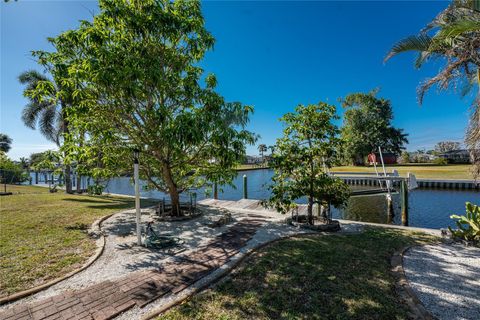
(68, 170)
(172, 190)
(79, 183)
(68, 179)
(310, 211)
(175, 198)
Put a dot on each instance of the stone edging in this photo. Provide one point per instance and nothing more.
(100, 242)
(217, 275)
(403, 288)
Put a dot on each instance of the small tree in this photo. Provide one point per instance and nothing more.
(301, 157)
(405, 157)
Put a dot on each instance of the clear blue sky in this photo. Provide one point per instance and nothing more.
(272, 55)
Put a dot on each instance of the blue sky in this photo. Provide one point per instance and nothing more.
(272, 55)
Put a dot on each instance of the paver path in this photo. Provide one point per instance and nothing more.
(107, 299)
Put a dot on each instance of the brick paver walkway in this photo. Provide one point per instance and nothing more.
(107, 299)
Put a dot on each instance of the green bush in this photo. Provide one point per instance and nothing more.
(440, 161)
(95, 189)
(468, 225)
(10, 172)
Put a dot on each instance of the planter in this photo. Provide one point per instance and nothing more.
(319, 224)
(187, 212)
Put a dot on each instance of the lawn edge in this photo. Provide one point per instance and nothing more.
(100, 242)
(403, 288)
(222, 273)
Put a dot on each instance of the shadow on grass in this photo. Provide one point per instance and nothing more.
(111, 202)
(313, 277)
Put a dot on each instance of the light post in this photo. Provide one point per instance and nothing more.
(136, 153)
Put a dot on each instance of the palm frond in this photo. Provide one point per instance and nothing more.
(31, 113)
(48, 124)
(458, 28)
(421, 58)
(31, 76)
(419, 43)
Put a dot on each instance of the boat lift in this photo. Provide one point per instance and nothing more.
(386, 183)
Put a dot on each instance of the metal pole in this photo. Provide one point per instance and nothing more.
(387, 182)
(404, 202)
(137, 202)
(245, 194)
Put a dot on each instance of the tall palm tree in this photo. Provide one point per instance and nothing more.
(48, 113)
(262, 148)
(5, 142)
(454, 37)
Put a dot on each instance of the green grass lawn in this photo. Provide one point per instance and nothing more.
(421, 171)
(312, 277)
(43, 235)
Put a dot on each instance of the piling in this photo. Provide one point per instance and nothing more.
(245, 194)
(390, 212)
(404, 202)
(215, 191)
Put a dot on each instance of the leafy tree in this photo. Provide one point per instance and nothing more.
(262, 148)
(367, 126)
(10, 172)
(48, 111)
(135, 76)
(36, 158)
(445, 146)
(5, 143)
(50, 161)
(301, 157)
(453, 38)
(405, 157)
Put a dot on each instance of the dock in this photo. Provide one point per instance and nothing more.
(365, 179)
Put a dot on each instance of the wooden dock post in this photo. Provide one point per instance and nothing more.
(245, 194)
(390, 212)
(215, 191)
(404, 202)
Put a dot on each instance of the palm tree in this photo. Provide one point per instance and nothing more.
(262, 148)
(48, 113)
(455, 40)
(5, 143)
(24, 162)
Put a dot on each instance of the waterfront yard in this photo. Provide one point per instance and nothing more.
(310, 277)
(43, 235)
(421, 171)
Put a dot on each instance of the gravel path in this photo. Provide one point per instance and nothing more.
(446, 279)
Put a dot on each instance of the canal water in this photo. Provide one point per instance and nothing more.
(428, 208)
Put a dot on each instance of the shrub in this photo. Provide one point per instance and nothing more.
(440, 161)
(10, 172)
(95, 189)
(468, 225)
